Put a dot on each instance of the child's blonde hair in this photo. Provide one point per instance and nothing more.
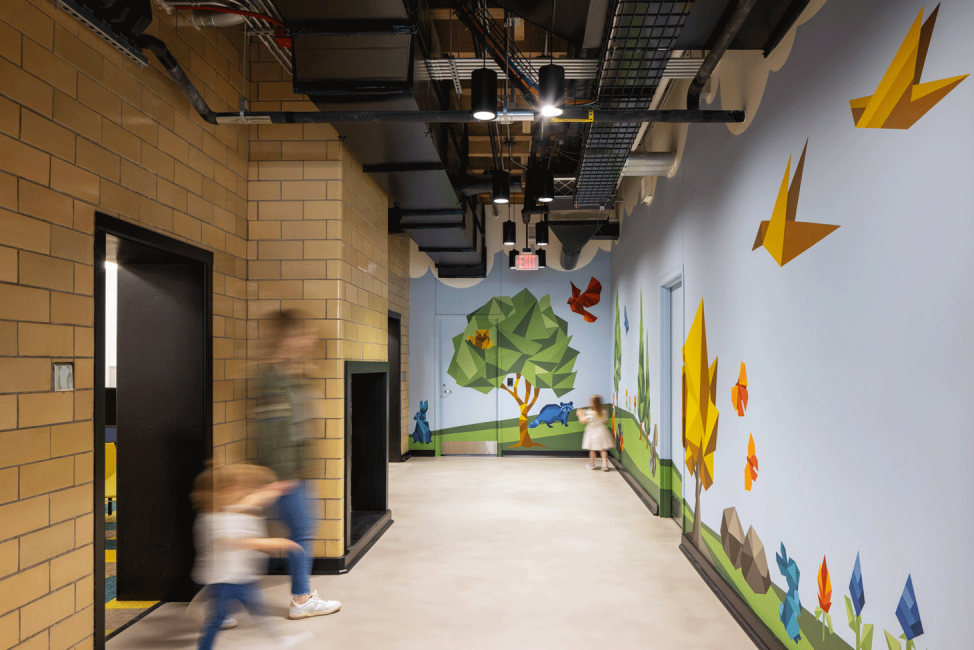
(597, 406)
(213, 481)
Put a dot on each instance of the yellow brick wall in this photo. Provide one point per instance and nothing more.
(84, 129)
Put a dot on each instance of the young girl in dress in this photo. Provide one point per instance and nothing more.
(597, 436)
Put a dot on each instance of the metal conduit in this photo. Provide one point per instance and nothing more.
(713, 57)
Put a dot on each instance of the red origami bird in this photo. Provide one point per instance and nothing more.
(751, 469)
(579, 300)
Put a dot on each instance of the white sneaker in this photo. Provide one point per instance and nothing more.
(313, 607)
(228, 623)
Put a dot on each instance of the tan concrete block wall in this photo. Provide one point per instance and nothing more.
(399, 302)
(84, 129)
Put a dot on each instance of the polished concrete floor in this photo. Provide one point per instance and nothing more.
(494, 553)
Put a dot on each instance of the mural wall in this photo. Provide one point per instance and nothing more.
(510, 358)
(827, 309)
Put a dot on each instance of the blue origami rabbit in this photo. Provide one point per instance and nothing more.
(422, 433)
(791, 608)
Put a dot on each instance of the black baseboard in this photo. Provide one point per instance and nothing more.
(640, 491)
(405, 457)
(329, 566)
(551, 453)
(114, 633)
(753, 626)
(421, 453)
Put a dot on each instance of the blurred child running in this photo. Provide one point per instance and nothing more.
(597, 436)
(231, 543)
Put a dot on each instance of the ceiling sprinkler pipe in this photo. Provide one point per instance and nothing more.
(713, 57)
(208, 19)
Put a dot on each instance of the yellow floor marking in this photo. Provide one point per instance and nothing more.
(114, 603)
(110, 555)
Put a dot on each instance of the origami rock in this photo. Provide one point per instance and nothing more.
(754, 563)
(732, 536)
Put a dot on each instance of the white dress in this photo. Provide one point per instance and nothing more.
(597, 436)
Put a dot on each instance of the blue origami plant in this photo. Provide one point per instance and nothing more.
(791, 608)
(908, 614)
(625, 313)
(864, 632)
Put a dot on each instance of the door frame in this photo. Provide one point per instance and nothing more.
(667, 284)
(107, 225)
(396, 454)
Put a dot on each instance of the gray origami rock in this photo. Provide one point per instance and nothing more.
(754, 564)
(732, 536)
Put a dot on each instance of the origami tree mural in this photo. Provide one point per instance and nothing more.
(529, 341)
(824, 598)
(908, 614)
(853, 607)
(699, 413)
(782, 236)
(900, 99)
(643, 413)
(617, 365)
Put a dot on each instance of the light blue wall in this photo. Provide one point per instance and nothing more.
(858, 352)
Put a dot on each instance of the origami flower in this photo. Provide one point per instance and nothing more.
(908, 612)
(824, 587)
(855, 588)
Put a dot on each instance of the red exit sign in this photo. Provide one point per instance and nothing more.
(526, 262)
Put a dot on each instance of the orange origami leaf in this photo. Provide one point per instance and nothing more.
(824, 587)
(739, 392)
(751, 469)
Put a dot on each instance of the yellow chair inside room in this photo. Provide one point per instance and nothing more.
(110, 488)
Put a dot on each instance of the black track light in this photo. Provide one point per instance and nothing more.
(541, 259)
(483, 94)
(541, 233)
(552, 89)
(547, 192)
(512, 256)
(510, 233)
(501, 181)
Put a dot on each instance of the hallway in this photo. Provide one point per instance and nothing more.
(492, 553)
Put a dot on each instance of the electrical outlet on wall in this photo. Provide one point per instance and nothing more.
(63, 376)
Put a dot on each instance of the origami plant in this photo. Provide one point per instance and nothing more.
(791, 608)
(900, 99)
(700, 413)
(625, 314)
(739, 392)
(643, 412)
(782, 236)
(654, 457)
(908, 614)
(751, 469)
(824, 598)
(481, 339)
(530, 342)
(853, 607)
(617, 363)
(588, 298)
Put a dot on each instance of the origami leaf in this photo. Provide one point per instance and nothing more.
(849, 613)
(751, 468)
(900, 99)
(892, 642)
(700, 430)
(867, 637)
(739, 392)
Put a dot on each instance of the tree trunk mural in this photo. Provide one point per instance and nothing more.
(525, 406)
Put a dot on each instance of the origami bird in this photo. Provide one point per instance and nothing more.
(739, 392)
(782, 236)
(481, 340)
(900, 99)
(625, 314)
(589, 298)
(751, 469)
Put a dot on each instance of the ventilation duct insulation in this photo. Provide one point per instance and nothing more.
(649, 164)
(117, 22)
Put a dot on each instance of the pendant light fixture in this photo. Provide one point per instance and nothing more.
(533, 183)
(552, 89)
(501, 186)
(510, 233)
(512, 256)
(541, 233)
(541, 259)
(547, 192)
(483, 94)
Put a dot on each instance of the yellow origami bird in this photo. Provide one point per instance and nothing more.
(481, 340)
(901, 100)
(700, 409)
(782, 236)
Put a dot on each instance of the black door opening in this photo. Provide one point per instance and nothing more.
(163, 409)
(395, 389)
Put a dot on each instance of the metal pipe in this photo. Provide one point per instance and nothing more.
(208, 19)
(479, 184)
(178, 76)
(713, 57)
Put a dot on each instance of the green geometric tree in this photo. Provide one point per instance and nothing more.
(643, 412)
(524, 338)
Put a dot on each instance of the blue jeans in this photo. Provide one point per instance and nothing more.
(221, 594)
(294, 510)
